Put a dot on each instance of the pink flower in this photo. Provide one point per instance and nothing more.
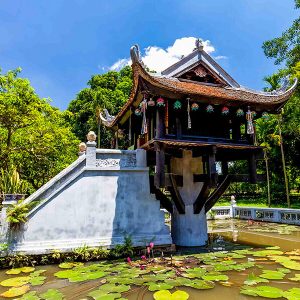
(142, 267)
(129, 259)
(151, 245)
(143, 257)
(148, 250)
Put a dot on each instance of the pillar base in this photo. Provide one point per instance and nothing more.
(189, 229)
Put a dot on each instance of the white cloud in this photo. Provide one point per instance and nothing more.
(220, 57)
(158, 59)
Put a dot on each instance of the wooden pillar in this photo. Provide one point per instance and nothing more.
(224, 167)
(236, 130)
(117, 138)
(252, 168)
(178, 128)
(159, 123)
(211, 167)
(159, 177)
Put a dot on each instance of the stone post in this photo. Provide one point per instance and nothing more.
(91, 149)
(232, 206)
(6, 204)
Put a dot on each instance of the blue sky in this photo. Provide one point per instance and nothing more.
(60, 43)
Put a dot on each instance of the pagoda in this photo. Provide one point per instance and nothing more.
(193, 119)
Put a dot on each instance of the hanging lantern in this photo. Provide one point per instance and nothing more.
(225, 111)
(160, 102)
(195, 106)
(138, 112)
(151, 102)
(177, 105)
(265, 116)
(210, 109)
(240, 113)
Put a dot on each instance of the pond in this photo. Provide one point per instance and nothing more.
(233, 266)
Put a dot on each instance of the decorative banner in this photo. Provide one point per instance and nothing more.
(195, 106)
(177, 105)
(240, 113)
(210, 109)
(249, 118)
(138, 112)
(151, 102)
(225, 111)
(160, 102)
(189, 116)
(265, 116)
(144, 129)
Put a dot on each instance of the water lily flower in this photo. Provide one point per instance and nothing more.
(129, 260)
(151, 245)
(143, 257)
(142, 267)
(148, 250)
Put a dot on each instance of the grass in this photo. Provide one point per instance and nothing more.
(258, 202)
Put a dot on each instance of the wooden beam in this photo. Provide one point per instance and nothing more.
(159, 177)
(224, 167)
(176, 197)
(202, 197)
(211, 167)
(178, 179)
(178, 128)
(252, 168)
(200, 177)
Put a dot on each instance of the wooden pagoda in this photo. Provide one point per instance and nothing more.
(195, 106)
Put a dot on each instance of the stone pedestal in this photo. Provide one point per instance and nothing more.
(188, 229)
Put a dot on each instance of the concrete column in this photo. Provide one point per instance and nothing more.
(188, 229)
(4, 228)
(91, 154)
(141, 158)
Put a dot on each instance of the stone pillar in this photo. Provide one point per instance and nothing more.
(141, 158)
(189, 229)
(6, 204)
(91, 149)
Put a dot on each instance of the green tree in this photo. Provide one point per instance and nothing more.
(109, 91)
(34, 136)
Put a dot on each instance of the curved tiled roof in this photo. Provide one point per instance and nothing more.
(271, 101)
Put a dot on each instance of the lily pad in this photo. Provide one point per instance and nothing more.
(102, 295)
(292, 294)
(264, 253)
(167, 295)
(17, 271)
(159, 287)
(201, 284)
(69, 265)
(30, 296)
(296, 278)
(16, 281)
(37, 280)
(113, 288)
(15, 291)
(215, 277)
(262, 291)
(253, 279)
(52, 294)
(120, 280)
(271, 274)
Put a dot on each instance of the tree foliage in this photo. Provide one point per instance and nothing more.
(35, 139)
(110, 91)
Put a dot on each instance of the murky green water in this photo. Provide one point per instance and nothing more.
(223, 269)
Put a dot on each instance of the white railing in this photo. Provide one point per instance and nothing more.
(277, 215)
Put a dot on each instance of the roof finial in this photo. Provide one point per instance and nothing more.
(135, 54)
(199, 45)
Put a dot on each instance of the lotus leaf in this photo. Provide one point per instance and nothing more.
(113, 288)
(262, 291)
(167, 295)
(37, 273)
(19, 270)
(37, 280)
(30, 296)
(201, 284)
(102, 295)
(215, 276)
(121, 280)
(15, 291)
(159, 286)
(271, 274)
(195, 273)
(16, 281)
(69, 265)
(52, 294)
(253, 279)
(292, 294)
(264, 253)
(296, 278)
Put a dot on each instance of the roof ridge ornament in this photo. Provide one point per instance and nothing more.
(199, 44)
(108, 119)
(135, 54)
